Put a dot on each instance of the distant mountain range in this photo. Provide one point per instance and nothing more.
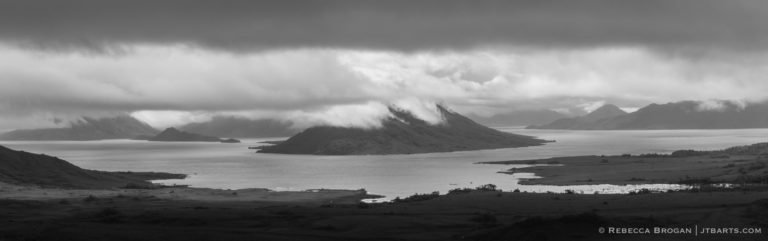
(677, 115)
(584, 122)
(403, 133)
(120, 127)
(519, 118)
(19, 167)
(228, 126)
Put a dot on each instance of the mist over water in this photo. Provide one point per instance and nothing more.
(234, 166)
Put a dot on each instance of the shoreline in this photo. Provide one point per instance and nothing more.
(696, 168)
(178, 193)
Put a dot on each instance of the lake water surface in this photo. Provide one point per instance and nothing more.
(234, 166)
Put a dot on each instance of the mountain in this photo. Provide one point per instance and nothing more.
(680, 115)
(24, 168)
(604, 112)
(120, 127)
(402, 133)
(172, 134)
(584, 122)
(519, 118)
(231, 126)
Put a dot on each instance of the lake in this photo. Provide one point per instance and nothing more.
(234, 166)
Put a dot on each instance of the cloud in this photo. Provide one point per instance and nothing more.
(367, 115)
(173, 61)
(170, 118)
(173, 84)
(720, 105)
(244, 25)
(592, 106)
(174, 78)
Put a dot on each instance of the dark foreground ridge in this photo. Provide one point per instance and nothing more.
(20, 167)
(402, 133)
(481, 216)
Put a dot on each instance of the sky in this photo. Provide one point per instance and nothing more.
(169, 62)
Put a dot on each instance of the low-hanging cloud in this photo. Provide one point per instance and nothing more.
(720, 105)
(170, 85)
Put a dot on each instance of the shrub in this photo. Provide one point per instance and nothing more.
(418, 197)
(482, 188)
(485, 219)
(90, 198)
(109, 215)
(641, 191)
(363, 205)
(486, 187)
(685, 153)
(459, 191)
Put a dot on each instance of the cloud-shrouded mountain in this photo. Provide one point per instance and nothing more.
(677, 115)
(230, 126)
(519, 118)
(402, 133)
(87, 128)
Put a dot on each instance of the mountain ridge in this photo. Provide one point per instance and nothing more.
(231, 126)
(676, 115)
(519, 118)
(85, 129)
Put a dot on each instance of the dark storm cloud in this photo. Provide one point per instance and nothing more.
(398, 25)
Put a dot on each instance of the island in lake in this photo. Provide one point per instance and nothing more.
(402, 133)
(172, 134)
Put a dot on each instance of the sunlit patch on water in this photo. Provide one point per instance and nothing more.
(595, 188)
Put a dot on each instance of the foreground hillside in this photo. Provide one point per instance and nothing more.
(120, 127)
(403, 133)
(478, 215)
(24, 168)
